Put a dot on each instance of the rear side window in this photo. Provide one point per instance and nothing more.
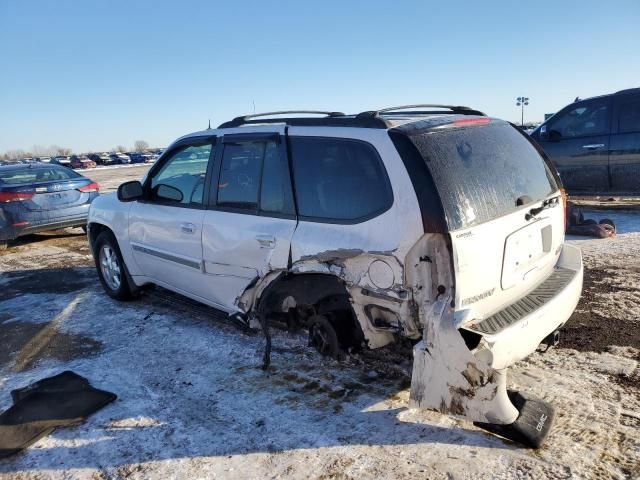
(275, 194)
(239, 182)
(629, 117)
(338, 180)
(29, 175)
(483, 172)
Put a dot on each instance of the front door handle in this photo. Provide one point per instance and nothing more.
(593, 146)
(266, 241)
(188, 228)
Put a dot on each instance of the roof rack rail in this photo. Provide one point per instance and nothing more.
(244, 119)
(402, 109)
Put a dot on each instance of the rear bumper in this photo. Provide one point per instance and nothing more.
(11, 233)
(518, 330)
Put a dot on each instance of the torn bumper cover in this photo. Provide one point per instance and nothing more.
(449, 377)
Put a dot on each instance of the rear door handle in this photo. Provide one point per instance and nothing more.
(593, 146)
(188, 228)
(266, 241)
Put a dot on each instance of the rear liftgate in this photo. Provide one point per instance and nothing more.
(447, 377)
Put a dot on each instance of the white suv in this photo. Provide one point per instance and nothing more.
(431, 222)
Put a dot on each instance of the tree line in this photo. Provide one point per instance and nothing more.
(57, 150)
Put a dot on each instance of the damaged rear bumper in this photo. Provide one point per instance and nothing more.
(449, 377)
(515, 332)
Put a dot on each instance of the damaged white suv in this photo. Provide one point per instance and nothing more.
(431, 222)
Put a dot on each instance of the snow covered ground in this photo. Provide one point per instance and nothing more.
(193, 402)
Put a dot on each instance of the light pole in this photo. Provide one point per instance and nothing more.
(521, 102)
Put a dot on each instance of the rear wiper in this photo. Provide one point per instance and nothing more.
(552, 202)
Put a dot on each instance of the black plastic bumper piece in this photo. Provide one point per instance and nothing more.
(532, 426)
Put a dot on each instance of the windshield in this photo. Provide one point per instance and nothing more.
(483, 172)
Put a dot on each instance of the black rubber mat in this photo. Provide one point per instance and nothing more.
(60, 401)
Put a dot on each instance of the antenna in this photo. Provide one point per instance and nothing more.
(254, 105)
(209, 127)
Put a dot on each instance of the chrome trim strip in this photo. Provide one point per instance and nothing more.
(166, 256)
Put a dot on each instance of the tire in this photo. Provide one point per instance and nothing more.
(323, 337)
(112, 269)
(607, 221)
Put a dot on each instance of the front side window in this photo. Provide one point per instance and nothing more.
(338, 179)
(183, 172)
(586, 118)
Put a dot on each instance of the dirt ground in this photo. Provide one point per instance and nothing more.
(194, 404)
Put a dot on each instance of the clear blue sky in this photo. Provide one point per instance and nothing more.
(93, 74)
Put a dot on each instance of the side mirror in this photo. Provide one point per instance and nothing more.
(543, 132)
(129, 191)
(167, 192)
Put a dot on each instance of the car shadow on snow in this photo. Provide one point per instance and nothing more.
(51, 237)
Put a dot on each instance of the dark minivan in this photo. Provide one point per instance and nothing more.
(595, 143)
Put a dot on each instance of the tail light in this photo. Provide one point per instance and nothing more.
(6, 197)
(468, 122)
(92, 187)
(563, 193)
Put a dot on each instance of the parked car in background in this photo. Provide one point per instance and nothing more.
(595, 143)
(136, 157)
(39, 197)
(119, 158)
(98, 158)
(61, 160)
(391, 210)
(81, 162)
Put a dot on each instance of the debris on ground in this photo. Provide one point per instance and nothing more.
(578, 225)
(63, 400)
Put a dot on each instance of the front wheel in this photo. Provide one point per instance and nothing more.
(111, 268)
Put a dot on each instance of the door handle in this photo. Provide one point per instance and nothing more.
(188, 228)
(593, 146)
(266, 241)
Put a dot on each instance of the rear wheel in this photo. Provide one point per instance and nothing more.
(111, 268)
(323, 337)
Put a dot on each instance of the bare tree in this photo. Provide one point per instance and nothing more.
(140, 146)
(15, 154)
(120, 148)
(62, 151)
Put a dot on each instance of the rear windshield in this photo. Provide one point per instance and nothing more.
(481, 172)
(26, 175)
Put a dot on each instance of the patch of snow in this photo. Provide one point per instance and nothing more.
(193, 402)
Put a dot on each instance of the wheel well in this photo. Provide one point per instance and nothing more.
(93, 230)
(306, 294)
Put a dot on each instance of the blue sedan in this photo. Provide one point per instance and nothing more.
(37, 197)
